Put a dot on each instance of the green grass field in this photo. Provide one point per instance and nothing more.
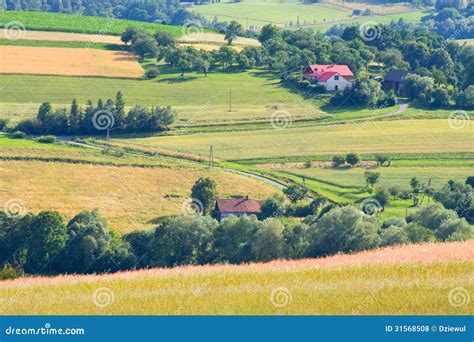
(398, 136)
(198, 99)
(257, 14)
(396, 281)
(389, 176)
(44, 21)
(409, 17)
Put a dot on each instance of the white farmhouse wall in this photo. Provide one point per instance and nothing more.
(331, 83)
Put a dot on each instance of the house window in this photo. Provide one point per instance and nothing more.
(336, 78)
(336, 88)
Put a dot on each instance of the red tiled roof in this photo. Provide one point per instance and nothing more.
(238, 205)
(341, 69)
(325, 76)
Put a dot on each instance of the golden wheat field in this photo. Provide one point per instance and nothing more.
(68, 62)
(129, 197)
(414, 279)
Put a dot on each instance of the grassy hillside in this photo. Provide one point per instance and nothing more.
(44, 21)
(415, 279)
(131, 192)
(255, 95)
(400, 136)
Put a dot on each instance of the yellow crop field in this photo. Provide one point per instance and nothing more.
(412, 279)
(129, 197)
(68, 62)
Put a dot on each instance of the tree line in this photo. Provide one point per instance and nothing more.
(45, 244)
(91, 119)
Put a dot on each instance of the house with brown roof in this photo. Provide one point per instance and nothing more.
(332, 77)
(237, 207)
(393, 80)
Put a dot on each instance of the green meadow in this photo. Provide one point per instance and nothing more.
(43, 21)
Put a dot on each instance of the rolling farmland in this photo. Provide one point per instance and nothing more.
(68, 62)
(400, 136)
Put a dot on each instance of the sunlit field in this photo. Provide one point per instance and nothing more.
(129, 197)
(401, 136)
(414, 279)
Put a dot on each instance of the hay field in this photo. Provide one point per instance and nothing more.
(68, 62)
(129, 197)
(414, 279)
(64, 37)
(399, 136)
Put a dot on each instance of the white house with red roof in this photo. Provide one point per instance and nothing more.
(332, 77)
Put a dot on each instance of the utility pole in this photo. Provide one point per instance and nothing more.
(107, 141)
(211, 157)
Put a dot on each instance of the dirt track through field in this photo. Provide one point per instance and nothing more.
(68, 62)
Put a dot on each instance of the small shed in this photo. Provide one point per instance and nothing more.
(393, 80)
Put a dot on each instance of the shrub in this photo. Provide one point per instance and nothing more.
(338, 160)
(454, 230)
(383, 197)
(8, 272)
(395, 191)
(268, 242)
(371, 177)
(352, 159)
(470, 181)
(18, 135)
(381, 159)
(274, 206)
(393, 235)
(344, 230)
(152, 73)
(46, 139)
(394, 221)
(308, 164)
(3, 124)
(417, 233)
(432, 216)
(296, 241)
